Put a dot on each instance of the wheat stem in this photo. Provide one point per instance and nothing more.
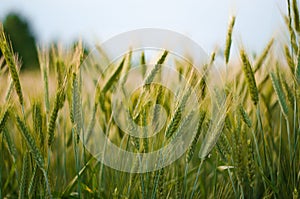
(196, 180)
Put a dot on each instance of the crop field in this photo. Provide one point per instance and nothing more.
(234, 137)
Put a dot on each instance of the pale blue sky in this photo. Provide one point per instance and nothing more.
(204, 21)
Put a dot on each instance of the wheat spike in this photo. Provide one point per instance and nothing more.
(31, 143)
(156, 68)
(39, 159)
(297, 70)
(143, 64)
(9, 90)
(174, 123)
(76, 103)
(288, 21)
(3, 119)
(10, 144)
(263, 56)
(239, 159)
(132, 128)
(178, 186)
(126, 68)
(287, 89)
(33, 182)
(156, 178)
(224, 148)
(24, 177)
(229, 39)
(92, 121)
(247, 69)
(38, 123)
(192, 147)
(161, 183)
(203, 84)
(12, 63)
(250, 163)
(144, 124)
(60, 70)
(245, 116)
(148, 80)
(44, 67)
(214, 132)
(59, 100)
(289, 58)
(113, 77)
(159, 100)
(296, 16)
(280, 95)
(183, 126)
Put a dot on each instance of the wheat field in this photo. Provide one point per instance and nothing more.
(255, 153)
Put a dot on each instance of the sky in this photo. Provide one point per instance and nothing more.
(204, 21)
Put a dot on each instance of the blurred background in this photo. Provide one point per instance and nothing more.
(45, 23)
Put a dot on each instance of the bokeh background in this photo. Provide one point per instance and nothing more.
(46, 22)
